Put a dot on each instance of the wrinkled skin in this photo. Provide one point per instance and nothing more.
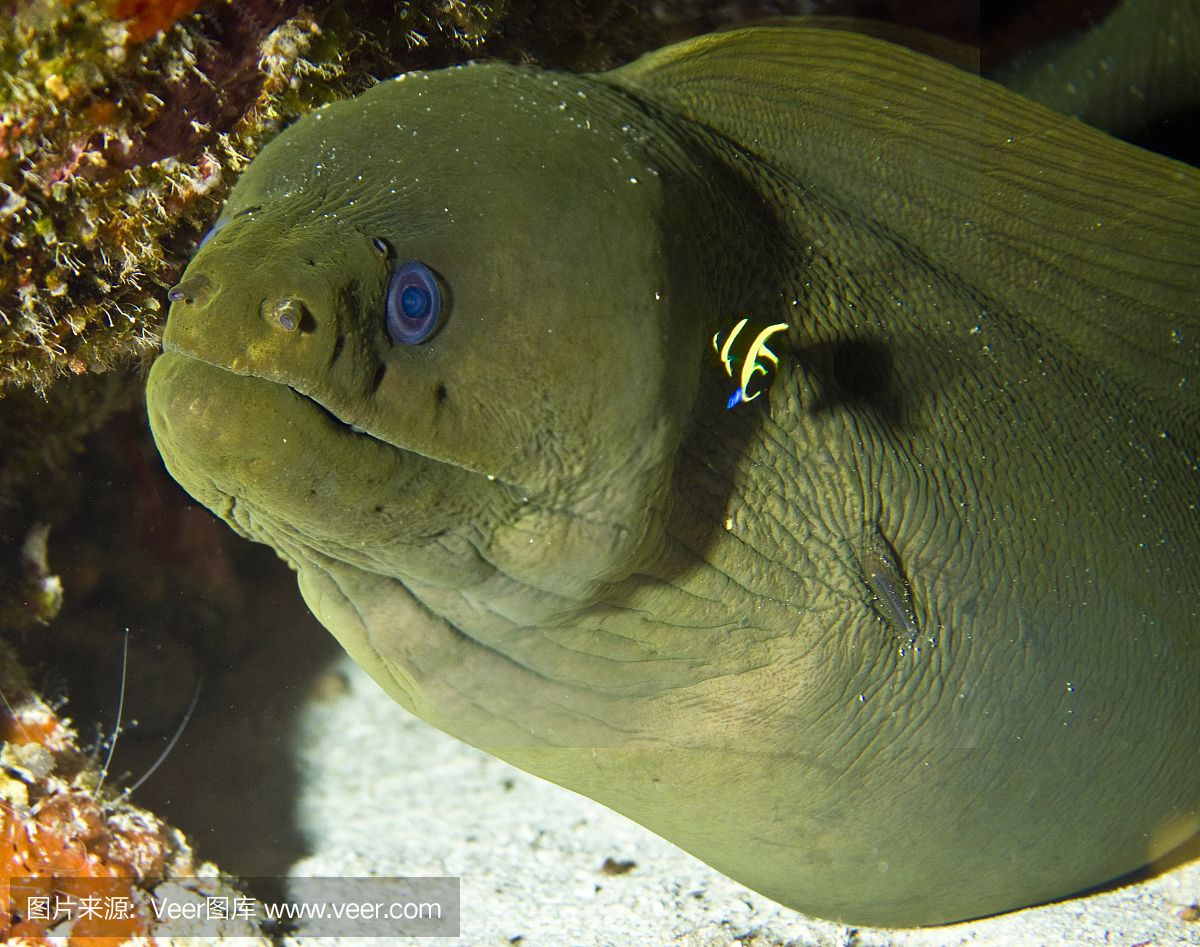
(912, 638)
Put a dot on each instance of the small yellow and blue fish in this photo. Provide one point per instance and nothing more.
(751, 365)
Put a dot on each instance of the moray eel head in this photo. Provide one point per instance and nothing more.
(500, 443)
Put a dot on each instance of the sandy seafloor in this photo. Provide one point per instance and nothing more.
(382, 793)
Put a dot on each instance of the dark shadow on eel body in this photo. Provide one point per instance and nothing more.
(856, 374)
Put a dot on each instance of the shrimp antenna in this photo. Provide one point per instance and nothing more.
(112, 744)
(17, 720)
(187, 715)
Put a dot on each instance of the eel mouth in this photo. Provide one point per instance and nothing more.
(281, 468)
(340, 420)
(524, 494)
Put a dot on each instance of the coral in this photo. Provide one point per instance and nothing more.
(108, 166)
(61, 841)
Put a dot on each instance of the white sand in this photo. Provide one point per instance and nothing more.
(384, 794)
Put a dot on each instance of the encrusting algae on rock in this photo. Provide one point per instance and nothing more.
(111, 157)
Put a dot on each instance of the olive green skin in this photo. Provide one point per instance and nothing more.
(542, 531)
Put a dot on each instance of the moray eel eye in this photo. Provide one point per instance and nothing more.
(414, 303)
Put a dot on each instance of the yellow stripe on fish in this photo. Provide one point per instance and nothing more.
(750, 362)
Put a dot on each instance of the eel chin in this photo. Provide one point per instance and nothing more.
(282, 469)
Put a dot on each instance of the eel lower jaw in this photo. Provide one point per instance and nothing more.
(520, 496)
(345, 423)
(358, 429)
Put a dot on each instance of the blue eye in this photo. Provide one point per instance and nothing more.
(414, 303)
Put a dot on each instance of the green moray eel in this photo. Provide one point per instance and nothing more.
(910, 638)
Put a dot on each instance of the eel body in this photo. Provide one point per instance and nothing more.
(909, 638)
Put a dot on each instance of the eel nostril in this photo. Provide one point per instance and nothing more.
(288, 314)
(194, 289)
